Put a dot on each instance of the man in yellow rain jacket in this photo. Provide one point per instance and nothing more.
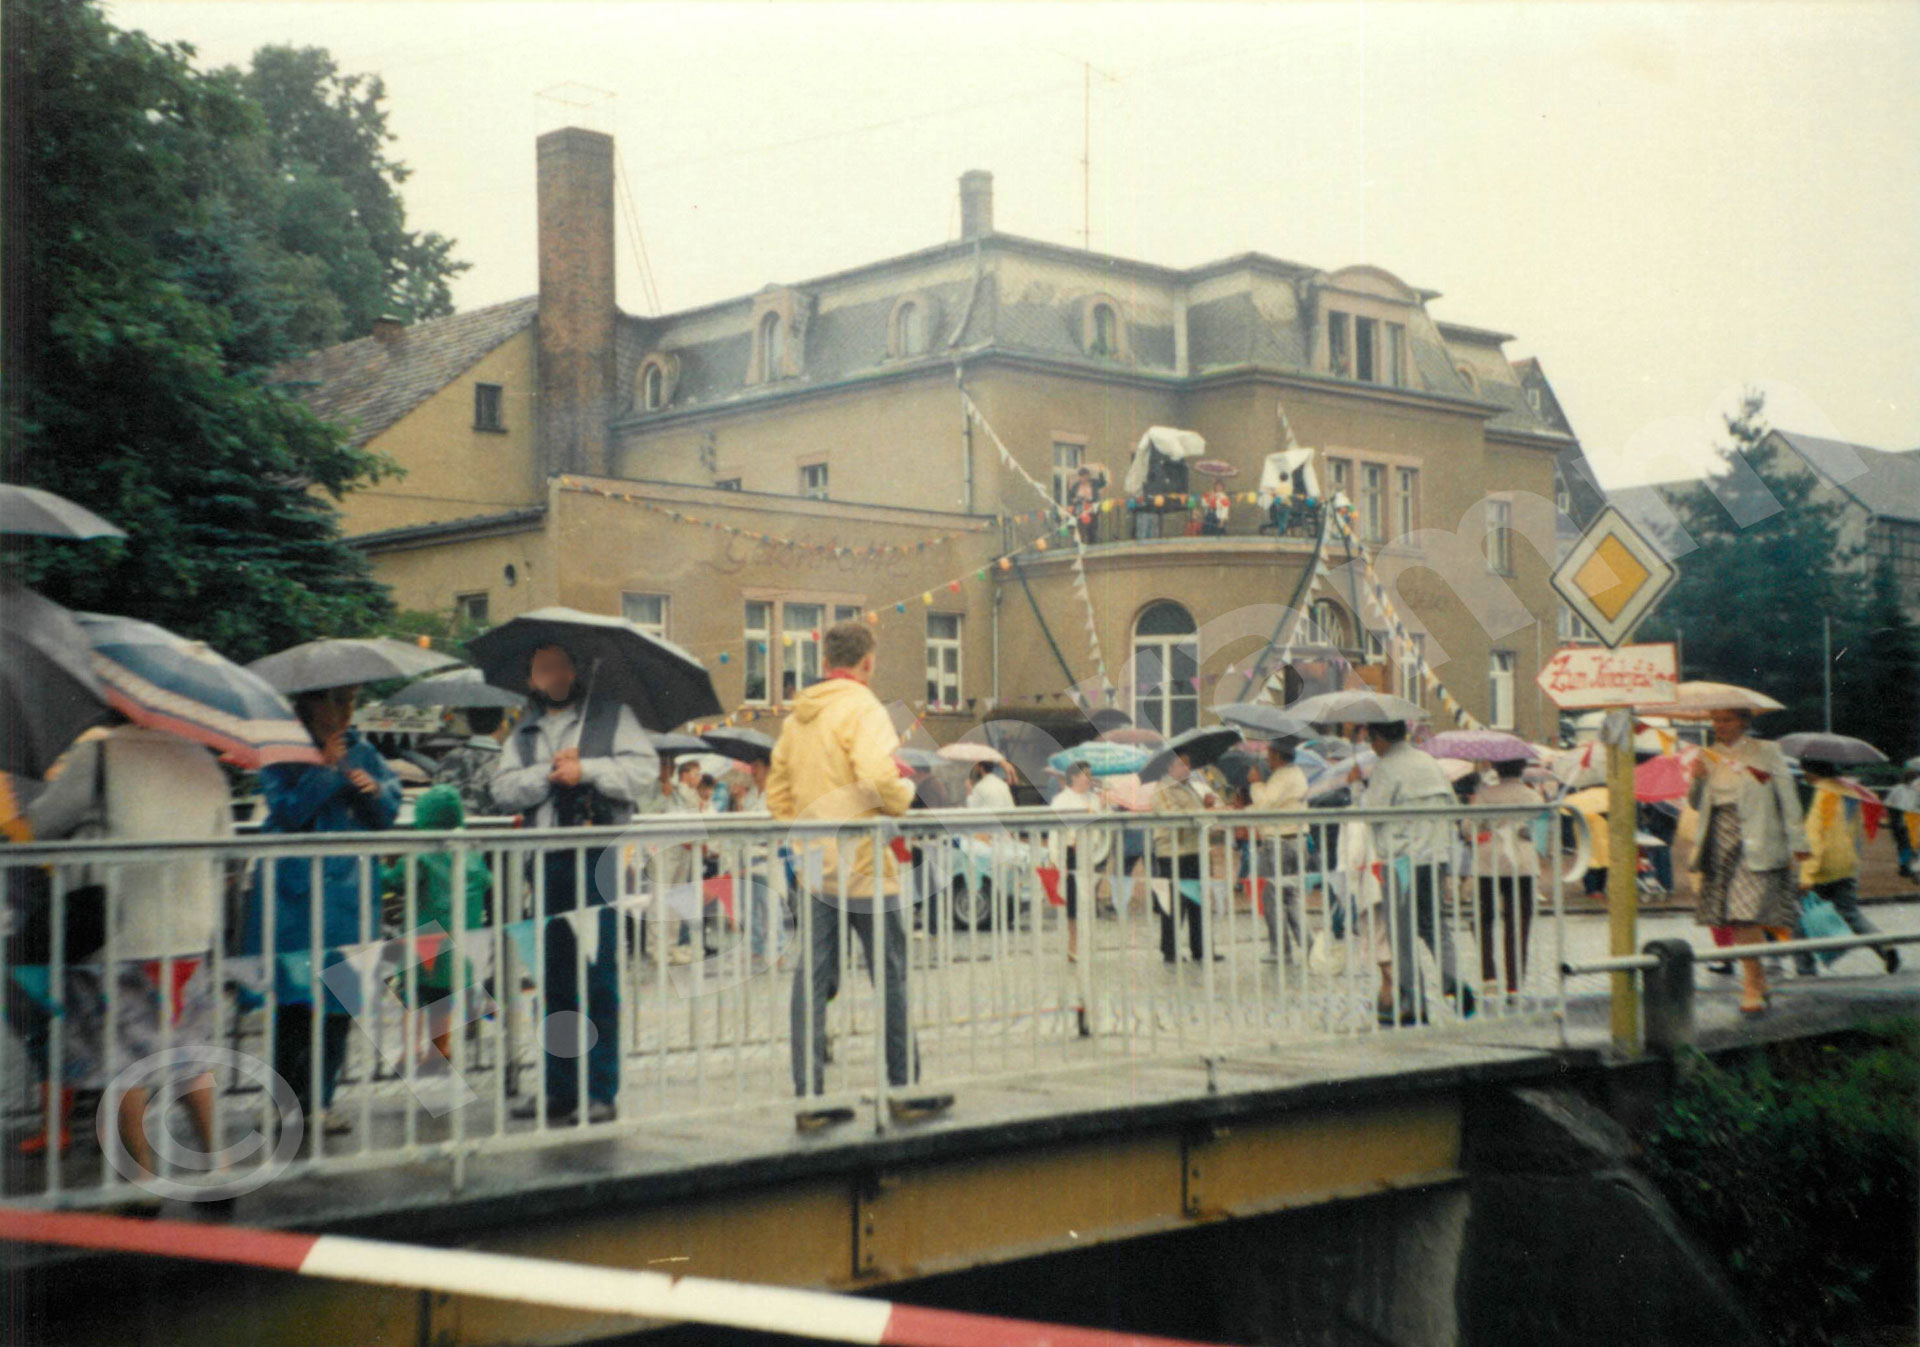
(1832, 869)
(834, 760)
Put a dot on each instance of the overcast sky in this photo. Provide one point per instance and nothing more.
(1662, 201)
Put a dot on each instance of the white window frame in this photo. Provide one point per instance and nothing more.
(1320, 632)
(1500, 670)
(771, 336)
(1369, 329)
(1406, 500)
(632, 599)
(1373, 502)
(811, 490)
(1165, 706)
(760, 647)
(1395, 337)
(1064, 474)
(1407, 668)
(1499, 541)
(946, 668)
(800, 645)
(464, 604)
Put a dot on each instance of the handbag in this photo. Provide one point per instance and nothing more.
(1326, 956)
(1821, 920)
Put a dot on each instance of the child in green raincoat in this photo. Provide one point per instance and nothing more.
(439, 810)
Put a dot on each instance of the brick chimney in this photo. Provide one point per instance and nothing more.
(388, 327)
(575, 328)
(976, 203)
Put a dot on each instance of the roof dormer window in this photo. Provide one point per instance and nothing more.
(653, 387)
(772, 344)
(1103, 329)
(910, 329)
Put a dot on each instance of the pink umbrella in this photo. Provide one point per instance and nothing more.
(1215, 467)
(1135, 734)
(1660, 778)
(1479, 746)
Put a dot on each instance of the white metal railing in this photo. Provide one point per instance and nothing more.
(1305, 925)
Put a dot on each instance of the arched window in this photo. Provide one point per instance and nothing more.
(1105, 337)
(1467, 377)
(773, 347)
(653, 389)
(1166, 660)
(910, 329)
(1327, 625)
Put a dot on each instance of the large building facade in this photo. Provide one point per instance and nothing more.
(888, 442)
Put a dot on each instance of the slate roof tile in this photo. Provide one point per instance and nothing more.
(369, 384)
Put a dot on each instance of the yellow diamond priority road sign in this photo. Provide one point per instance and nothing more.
(1613, 577)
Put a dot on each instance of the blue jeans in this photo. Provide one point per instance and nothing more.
(1416, 912)
(763, 916)
(1897, 820)
(561, 992)
(809, 1021)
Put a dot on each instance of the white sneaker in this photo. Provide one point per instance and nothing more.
(682, 954)
(336, 1121)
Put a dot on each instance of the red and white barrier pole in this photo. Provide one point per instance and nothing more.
(571, 1286)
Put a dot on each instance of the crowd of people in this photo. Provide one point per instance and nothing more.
(1391, 884)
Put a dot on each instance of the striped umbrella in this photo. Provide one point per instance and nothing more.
(1103, 759)
(166, 682)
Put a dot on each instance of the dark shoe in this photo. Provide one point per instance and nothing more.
(819, 1119)
(919, 1108)
(1723, 969)
(1891, 958)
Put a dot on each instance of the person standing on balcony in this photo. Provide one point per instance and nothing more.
(834, 760)
(577, 763)
(1750, 835)
(1083, 502)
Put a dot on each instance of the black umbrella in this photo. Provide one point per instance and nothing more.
(742, 745)
(669, 744)
(663, 684)
(1356, 706)
(1839, 749)
(1201, 748)
(462, 689)
(1262, 720)
(346, 662)
(28, 509)
(49, 692)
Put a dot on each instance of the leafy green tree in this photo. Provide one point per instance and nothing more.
(1748, 603)
(146, 299)
(1876, 672)
(327, 140)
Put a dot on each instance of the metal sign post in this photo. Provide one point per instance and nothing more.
(1612, 577)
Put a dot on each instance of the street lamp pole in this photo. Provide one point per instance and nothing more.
(1826, 672)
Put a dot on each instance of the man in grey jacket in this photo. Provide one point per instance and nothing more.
(1417, 853)
(576, 764)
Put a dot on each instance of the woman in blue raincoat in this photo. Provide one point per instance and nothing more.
(350, 790)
